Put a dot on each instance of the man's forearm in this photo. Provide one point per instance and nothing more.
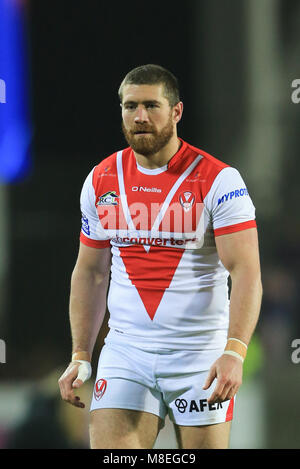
(87, 307)
(245, 303)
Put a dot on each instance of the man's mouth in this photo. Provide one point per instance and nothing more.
(142, 132)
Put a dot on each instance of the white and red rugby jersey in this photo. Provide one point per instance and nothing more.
(168, 287)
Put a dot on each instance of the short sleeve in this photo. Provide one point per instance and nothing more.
(91, 234)
(229, 204)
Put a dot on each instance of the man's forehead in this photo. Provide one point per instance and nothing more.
(143, 92)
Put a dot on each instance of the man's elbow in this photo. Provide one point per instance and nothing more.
(90, 274)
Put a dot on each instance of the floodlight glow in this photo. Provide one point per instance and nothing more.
(15, 126)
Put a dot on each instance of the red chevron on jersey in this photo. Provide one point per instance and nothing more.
(151, 290)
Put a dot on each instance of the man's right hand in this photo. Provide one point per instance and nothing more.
(72, 379)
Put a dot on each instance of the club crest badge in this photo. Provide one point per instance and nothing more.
(100, 388)
(187, 200)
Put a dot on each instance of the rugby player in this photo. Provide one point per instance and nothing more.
(164, 224)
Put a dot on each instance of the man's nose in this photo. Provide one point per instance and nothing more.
(141, 114)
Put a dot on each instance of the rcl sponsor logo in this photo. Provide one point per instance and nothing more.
(196, 406)
(145, 189)
(100, 388)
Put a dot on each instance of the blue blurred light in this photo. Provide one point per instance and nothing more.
(15, 125)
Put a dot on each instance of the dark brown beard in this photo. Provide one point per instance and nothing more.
(152, 144)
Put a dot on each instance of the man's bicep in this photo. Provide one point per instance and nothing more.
(239, 249)
(97, 259)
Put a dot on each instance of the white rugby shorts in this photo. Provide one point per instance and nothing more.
(159, 382)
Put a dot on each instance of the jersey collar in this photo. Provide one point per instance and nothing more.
(164, 168)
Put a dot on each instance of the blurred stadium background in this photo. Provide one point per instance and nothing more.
(61, 63)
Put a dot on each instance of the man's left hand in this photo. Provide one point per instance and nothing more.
(228, 371)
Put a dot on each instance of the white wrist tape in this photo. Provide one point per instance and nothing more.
(238, 340)
(84, 370)
(234, 354)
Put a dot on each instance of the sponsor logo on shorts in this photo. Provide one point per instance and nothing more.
(196, 406)
(100, 388)
(187, 200)
(181, 405)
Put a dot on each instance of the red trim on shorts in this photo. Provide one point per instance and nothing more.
(229, 413)
(234, 228)
(94, 243)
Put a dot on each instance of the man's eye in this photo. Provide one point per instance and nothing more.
(152, 106)
(130, 107)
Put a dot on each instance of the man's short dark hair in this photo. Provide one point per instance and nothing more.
(153, 75)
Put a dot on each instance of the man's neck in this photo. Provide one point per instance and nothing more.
(161, 158)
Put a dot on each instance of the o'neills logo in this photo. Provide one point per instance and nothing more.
(145, 189)
(100, 388)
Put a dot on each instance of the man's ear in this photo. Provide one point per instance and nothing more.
(177, 111)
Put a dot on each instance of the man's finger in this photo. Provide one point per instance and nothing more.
(77, 383)
(226, 392)
(74, 400)
(215, 396)
(211, 376)
(232, 393)
(77, 402)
